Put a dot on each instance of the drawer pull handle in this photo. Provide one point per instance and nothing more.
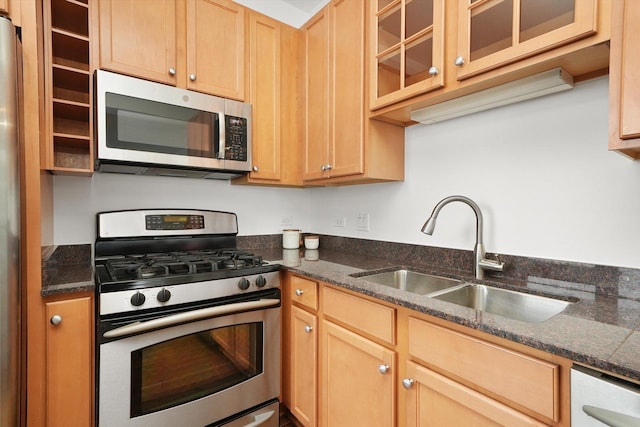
(407, 383)
(299, 292)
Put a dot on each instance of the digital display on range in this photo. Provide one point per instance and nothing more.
(174, 218)
(174, 222)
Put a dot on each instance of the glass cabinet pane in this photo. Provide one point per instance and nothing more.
(384, 3)
(419, 15)
(491, 28)
(389, 29)
(538, 17)
(418, 60)
(389, 73)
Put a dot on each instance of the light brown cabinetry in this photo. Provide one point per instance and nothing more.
(138, 37)
(407, 49)
(358, 361)
(486, 43)
(495, 371)
(494, 32)
(624, 79)
(341, 144)
(380, 364)
(69, 362)
(357, 384)
(274, 87)
(67, 146)
(435, 400)
(195, 44)
(301, 324)
(4, 6)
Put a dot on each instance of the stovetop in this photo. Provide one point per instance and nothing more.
(184, 265)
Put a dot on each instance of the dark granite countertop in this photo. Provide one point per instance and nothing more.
(597, 329)
(600, 328)
(66, 269)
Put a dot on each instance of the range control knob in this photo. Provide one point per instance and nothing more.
(163, 295)
(261, 281)
(137, 299)
(244, 284)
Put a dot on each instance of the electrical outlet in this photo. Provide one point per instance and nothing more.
(286, 221)
(362, 221)
(339, 221)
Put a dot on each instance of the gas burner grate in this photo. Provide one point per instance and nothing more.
(153, 265)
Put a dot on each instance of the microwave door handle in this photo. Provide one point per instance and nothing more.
(222, 137)
(611, 418)
(190, 316)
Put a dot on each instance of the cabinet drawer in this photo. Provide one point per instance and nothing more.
(363, 315)
(516, 377)
(304, 292)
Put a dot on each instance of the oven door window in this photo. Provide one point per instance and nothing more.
(184, 369)
(142, 125)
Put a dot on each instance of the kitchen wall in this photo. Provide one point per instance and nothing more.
(540, 171)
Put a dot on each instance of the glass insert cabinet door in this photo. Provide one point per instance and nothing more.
(493, 33)
(408, 46)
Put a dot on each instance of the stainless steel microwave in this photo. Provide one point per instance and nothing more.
(147, 128)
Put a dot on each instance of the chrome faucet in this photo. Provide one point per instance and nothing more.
(480, 262)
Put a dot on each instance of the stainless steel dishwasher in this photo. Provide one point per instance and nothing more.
(600, 400)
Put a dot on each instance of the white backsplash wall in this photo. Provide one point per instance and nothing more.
(540, 171)
(260, 209)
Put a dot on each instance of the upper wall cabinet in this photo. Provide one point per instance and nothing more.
(492, 33)
(67, 146)
(408, 43)
(274, 93)
(197, 44)
(4, 6)
(341, 144)
(486, 43)
(624, 79)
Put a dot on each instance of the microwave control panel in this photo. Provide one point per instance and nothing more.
(235, 138)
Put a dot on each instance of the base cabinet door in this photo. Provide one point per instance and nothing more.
(434, 400)
(357, 380)
(304, 347)
(69, 362)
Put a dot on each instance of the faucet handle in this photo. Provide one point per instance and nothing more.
(492, 264)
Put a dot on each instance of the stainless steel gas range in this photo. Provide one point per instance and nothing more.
(188, 325)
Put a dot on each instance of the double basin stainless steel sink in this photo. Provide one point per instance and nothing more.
(502, 302)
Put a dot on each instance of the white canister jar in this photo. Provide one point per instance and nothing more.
(291, 238)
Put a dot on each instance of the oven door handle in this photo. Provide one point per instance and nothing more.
(190, 316)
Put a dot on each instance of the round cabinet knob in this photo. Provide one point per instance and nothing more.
(56, 319)
(163, 295)
(459, 62)
(172, 71)
(308, 329)
(407, 383)
(299, 292)
(383, 369)
(192, 77)
(433, 71)
(244, 284)
(255, 168)
(261, 281)
(138, 299)
(328, 167)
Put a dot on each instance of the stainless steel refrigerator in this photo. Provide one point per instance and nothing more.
(9, 228)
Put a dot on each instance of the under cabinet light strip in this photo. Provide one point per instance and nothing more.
(535, 86)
